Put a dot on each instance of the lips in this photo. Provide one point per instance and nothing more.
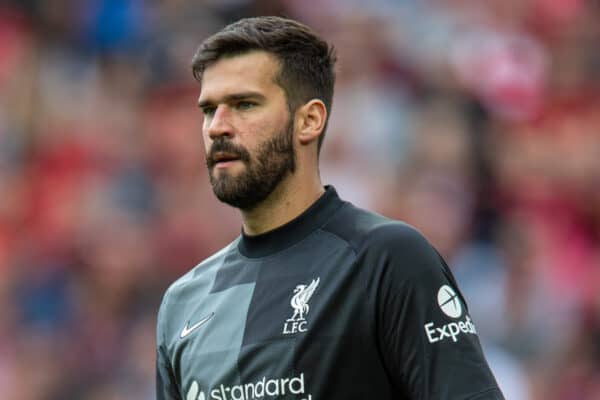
(221, 156)
(223, 152)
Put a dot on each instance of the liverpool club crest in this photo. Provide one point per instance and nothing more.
(299, 302)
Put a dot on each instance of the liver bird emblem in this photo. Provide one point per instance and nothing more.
(299, 302)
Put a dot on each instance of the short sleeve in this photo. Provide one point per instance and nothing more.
(428, 341)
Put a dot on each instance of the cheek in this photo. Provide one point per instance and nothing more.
(207, 145)
(206, 140)
(263, 130)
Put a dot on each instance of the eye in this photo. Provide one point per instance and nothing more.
(209, 111)
(245, 105)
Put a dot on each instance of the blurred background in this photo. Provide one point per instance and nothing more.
(476, 121)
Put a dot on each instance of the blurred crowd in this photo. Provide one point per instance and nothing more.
(477, 122)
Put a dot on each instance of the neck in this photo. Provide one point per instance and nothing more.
(290, 199)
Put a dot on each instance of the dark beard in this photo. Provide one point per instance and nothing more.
(275, 159)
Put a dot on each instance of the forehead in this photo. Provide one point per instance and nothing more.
(249, 72)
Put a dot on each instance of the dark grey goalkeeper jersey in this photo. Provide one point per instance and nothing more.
(340, 303)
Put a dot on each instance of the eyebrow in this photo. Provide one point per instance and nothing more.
(232, 98)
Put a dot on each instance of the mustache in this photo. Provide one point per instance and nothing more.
(222, 145)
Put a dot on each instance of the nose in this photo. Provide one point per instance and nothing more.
(219, 124)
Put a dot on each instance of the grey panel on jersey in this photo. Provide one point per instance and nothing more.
(209, 351)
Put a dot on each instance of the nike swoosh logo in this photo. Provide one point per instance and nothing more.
(189, 329)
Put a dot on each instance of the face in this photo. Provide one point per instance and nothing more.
(247, 129)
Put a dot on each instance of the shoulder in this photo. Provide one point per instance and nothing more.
(189, 289)
(200, 275)
(367, 231)
(388, 251)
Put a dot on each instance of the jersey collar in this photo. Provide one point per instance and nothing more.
(292, 232)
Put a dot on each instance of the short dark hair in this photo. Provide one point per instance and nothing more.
(306, 61)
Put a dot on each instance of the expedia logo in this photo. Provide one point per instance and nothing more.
(450, 305)
(449, 302)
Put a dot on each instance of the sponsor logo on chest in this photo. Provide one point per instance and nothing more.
(261, 389)
(299, 302)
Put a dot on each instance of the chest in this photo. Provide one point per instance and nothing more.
(284, 322)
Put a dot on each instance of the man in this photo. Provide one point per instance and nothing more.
(316, 299)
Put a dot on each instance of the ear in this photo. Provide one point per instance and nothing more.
(310, 120)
